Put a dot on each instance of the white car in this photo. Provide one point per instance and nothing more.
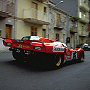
(86, 47)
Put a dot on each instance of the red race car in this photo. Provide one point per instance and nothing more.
(52, 51)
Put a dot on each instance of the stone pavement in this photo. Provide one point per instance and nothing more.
(2, 47)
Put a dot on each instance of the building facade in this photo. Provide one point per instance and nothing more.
(79, 9)
(88, 41)
(83, 13)
(6, 20)
(73, 32)
(58, 20)
(31, 18)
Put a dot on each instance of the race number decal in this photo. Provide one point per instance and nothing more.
(58, 49)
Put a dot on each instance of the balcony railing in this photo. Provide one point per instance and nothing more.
(73, 29)
(83, 33)
(41, 0)
(6, 8)
(35, 14)
(84, 19)
(59, 26)
(84, 6)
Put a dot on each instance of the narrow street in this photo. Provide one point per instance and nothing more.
(15, 76)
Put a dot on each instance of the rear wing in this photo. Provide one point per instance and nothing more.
(42, 45)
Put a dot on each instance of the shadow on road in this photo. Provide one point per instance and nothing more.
(30, 67)
(36, 67)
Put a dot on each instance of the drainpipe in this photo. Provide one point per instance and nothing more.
(15, 12)
(67, 30)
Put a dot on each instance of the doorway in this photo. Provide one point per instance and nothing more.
(33, 31)
(8, 31)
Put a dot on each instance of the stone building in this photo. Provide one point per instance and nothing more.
(88, 41)
(79, 9)
(6, 20)
(31, 18)
(58, 23)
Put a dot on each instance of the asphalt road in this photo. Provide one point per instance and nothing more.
(15, 76)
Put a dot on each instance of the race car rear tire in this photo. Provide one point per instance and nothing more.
(58, 60)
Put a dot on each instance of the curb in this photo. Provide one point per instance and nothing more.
(4, 50)
(2, 47)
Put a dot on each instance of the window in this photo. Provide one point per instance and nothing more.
(57, 36)
(33, 31)
(44, 33)
(34, 10)
(80, 14)
(45, 10)
(57, 19)
(0, 32)
(82, 28)
(80, 2)
(11, 1)
(85, 1)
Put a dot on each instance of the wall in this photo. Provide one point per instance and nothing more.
(24, 28)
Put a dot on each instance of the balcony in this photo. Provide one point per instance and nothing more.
(73, 26)
(84, 6)
(42, 0)
(84, 19)
(6, 8)
(73, 29)
(59, 26)
(35, 16)
(83, 33)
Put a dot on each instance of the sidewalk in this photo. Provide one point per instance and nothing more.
(2, 47)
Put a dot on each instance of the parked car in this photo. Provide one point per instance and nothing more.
(84, 46)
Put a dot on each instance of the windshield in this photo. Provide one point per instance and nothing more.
(34, 38)
(26, 38)
(30, 38)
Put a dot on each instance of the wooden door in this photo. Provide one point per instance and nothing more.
(8, 31)
(57, 36)
(33, 31)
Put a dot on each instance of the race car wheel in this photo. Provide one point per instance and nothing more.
(58, 60)
(81, 57)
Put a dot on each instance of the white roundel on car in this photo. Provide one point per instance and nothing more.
(60, 44)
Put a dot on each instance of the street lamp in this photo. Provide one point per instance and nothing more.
(59, 3)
